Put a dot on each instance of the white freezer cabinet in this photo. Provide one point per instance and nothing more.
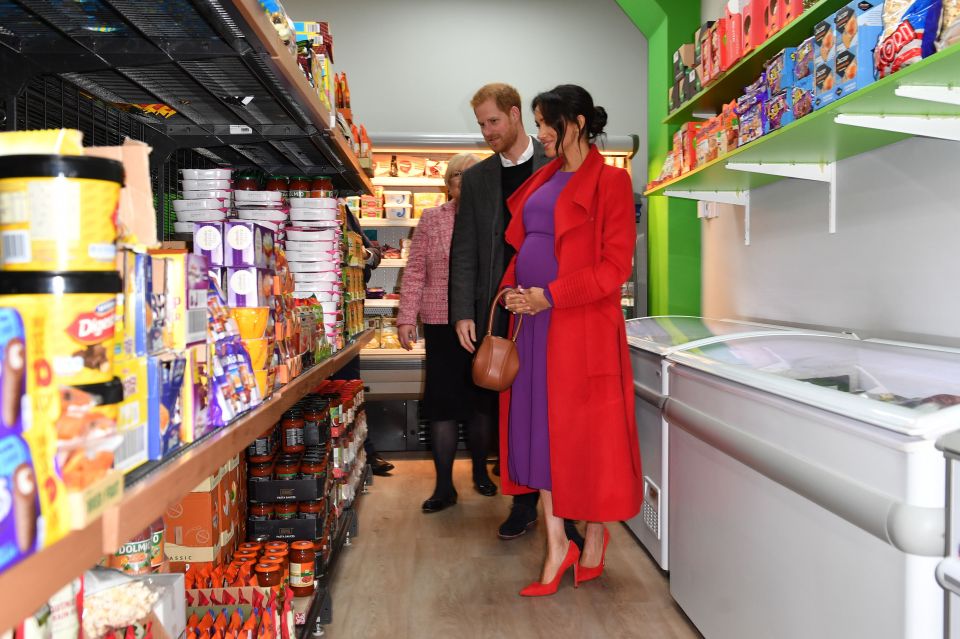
(651, 340)
(807, 492)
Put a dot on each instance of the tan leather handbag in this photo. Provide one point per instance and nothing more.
(496, 362)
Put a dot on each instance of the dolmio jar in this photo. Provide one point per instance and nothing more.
(302, 565)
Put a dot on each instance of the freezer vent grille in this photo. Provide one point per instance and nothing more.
(651, 518)
(650, 510)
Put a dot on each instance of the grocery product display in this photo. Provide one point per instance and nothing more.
(844, 52)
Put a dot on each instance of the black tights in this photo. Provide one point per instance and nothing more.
(443, 437)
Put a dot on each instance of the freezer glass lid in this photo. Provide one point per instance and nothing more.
(676, 330)
(890, 385)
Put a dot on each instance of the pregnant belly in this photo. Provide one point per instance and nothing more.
(536, 261)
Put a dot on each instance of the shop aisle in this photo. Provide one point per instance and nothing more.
(414, 576)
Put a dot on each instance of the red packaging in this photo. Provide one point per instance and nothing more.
(754, 26)
(790, 10)
(772, 16)
(706, 72)
(731, 37)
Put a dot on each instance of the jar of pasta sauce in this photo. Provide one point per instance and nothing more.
(299, 186)
(303, 559)
(285, 510)
(260, 512)
(246, 182)
(277, 183)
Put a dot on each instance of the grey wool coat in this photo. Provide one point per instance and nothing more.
(476, 252)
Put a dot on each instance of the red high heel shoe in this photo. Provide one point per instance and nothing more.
(538, 589)
(586, 574)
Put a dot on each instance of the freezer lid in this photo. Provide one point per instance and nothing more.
(665, 333)
(913, 391)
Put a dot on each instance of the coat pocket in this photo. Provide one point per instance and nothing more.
(602, 340)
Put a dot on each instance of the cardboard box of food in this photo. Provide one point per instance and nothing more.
(824, 60)
(857, 29)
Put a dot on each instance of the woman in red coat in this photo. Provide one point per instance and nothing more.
(567, 426)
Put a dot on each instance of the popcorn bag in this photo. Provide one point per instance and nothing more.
(909, 31)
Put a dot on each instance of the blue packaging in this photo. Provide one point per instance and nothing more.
(779, 111)
(164, 382)
(20, 522)
(857, 28)
(780, 70)
(824, 60)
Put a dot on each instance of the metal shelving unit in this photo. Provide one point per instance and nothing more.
(320, 612)
(209, 75)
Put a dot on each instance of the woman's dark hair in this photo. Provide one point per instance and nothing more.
(562, 105)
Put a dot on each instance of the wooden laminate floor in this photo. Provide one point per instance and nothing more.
(408, 575)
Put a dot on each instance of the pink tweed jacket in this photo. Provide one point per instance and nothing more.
(425, 279)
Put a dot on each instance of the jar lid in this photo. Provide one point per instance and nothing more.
(262, 567)
(302, 545)
(59, 282)
(69, 166)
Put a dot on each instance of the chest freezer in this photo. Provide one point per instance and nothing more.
(807, 492)
(651, 339)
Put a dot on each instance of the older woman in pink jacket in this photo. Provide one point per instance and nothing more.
(448, 392)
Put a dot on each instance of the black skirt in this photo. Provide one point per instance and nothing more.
(448, 392)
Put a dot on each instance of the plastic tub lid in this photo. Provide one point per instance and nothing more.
(59, 282)
(71, 166)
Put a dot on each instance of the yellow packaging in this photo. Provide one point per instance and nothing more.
(132, 414)
(57, 213)
(423, 201)
(45, 141)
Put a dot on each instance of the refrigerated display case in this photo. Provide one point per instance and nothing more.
(651, 339)
(806, 490)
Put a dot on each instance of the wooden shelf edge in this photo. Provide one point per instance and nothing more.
(30, 583)
(147, 499)
(306, 95)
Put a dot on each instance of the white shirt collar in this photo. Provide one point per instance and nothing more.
(526, 155)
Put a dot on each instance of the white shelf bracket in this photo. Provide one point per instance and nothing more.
(937, 127)
(944, 95)
(826, 172)
(737, 198)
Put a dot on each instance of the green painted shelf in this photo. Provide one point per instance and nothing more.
(818, 139)
(729, 86)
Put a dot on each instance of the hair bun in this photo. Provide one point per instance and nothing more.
(599, 121)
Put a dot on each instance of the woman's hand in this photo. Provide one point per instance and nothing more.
(513, 299)
(408, 335)
(527, 301)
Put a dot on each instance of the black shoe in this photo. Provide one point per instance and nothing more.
(486, 488)
(569, 527)
(496, 468)
(379, 465)
(436, 504)
(520, 520)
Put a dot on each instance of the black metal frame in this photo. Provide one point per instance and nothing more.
(194, 56)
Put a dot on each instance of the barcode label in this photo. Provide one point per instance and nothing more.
(16, 247)
(133, 450)
(197, 325)
(129, 415)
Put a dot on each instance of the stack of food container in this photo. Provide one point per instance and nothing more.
(58, 293)
(207, 197)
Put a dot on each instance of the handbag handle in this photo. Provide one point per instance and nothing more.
(493, 308)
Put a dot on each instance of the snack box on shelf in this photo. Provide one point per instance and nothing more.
(164, 384)
(803, 75)
(824, 61)
(248, 244)
(857, 29)
(183, 278)
(208, 241)
(249, 287)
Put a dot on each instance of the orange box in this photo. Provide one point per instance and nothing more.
(194, 526)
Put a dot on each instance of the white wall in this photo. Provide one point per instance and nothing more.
(889, 271)
(886, 272)
(413, 66)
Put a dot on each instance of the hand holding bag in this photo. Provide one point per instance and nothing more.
(496, 363)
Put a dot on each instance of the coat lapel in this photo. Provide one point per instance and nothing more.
(575, 205)
(515, 232)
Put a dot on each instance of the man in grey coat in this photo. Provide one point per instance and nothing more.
(479, 254)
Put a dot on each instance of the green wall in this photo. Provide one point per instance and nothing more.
(674, 230)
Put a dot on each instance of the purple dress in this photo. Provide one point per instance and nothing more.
(529, 433)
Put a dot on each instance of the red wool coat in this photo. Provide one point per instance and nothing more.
(594, 452)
